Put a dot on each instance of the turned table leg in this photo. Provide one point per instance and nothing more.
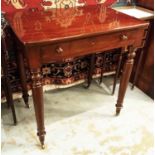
(91, 70)
(23, 78)
(37, 92)
(125, 79)
(123, 50)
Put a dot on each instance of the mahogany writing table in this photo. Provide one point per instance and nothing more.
(58, 34)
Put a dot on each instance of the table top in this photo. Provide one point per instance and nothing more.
(35, 27)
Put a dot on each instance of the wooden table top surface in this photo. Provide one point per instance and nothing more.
(33, 27)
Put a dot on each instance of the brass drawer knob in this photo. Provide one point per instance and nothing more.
(59, 50)
(124, 37)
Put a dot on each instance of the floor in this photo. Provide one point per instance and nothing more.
(82, 122)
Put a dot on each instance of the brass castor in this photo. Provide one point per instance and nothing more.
(43, 146)
(27, 105)
(118, 109)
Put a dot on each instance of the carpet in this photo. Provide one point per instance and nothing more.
(82, 122)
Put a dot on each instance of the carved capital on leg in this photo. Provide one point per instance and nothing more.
(36, 77)
(125, 78)
(131, 55)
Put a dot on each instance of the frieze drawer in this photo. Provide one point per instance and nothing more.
(69, 49)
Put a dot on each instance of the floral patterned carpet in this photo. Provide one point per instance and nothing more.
(82, 122)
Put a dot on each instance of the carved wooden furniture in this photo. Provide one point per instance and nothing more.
(58, 39)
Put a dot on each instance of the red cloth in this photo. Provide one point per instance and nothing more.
(13, 5)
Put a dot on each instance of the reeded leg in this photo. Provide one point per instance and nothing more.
(118, 69)
(91, 69)
(37, 92)
(125, 79)
(23, 78)
(137, 69)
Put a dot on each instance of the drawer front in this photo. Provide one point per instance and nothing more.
(79, 47)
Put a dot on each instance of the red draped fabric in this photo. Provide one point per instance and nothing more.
(12, 5)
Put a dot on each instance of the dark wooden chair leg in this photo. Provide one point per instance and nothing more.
(137, 69)
(9, 99)
(102, 68)
(91, 70)
(6, 81)
(127, 69)
(3, 85)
